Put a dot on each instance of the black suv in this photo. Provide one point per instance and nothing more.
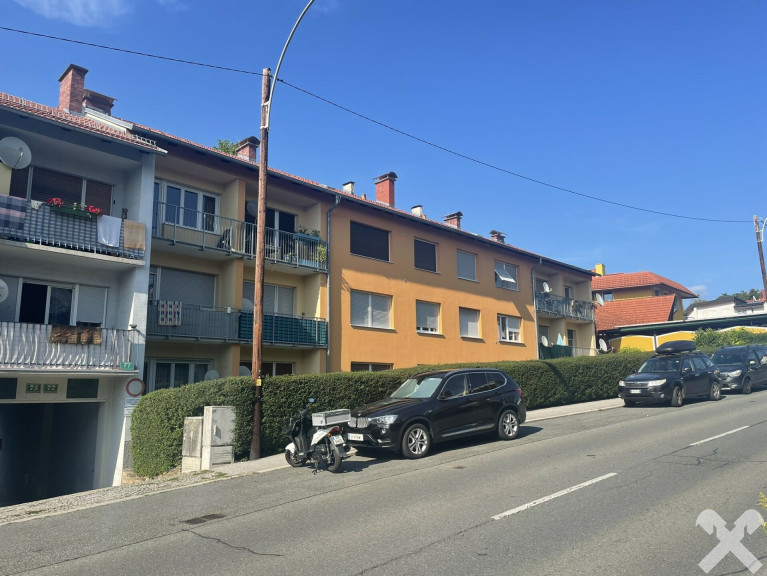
(436, 406)
(676, 372)
(741, 367)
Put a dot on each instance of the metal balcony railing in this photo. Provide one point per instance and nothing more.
(38, 223)
(174, 320)
(565, 307)
(218, 233)
(24, 345)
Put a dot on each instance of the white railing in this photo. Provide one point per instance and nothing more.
(25, 345)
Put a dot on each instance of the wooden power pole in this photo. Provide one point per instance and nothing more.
(759, 242)
(258, 296)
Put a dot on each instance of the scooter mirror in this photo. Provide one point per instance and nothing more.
(311, 400)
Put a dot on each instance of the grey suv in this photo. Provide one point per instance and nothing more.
(742, 367)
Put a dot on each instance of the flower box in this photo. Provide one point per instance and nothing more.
(71, 211)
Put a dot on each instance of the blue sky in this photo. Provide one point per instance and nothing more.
(656, 104)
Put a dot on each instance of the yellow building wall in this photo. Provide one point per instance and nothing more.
(401, 345)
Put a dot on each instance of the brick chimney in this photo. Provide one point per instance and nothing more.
(497, 236)
(385, 188)
(248, 148)
(98, 102)
(72, 89)
(454, 219)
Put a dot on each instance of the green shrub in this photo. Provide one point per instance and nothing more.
(158, 420)
(709, 340)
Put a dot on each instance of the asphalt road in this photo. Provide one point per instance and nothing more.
(613, 492)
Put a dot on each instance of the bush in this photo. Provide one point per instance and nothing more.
(158, 420)
(709, 340)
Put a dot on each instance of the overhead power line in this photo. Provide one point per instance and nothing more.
(382, 125)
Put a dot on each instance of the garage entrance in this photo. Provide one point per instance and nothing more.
(46, 450)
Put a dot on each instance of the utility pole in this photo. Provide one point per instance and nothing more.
(258, 296)
(759, 242)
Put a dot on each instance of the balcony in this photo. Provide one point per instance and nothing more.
(37, 223)
(552, 306)
(228, 236)
(41, 346)
(171, 321)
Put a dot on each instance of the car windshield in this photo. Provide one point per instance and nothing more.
(725, 357)
(660, 364)
(417, 387)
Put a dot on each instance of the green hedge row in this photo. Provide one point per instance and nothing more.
(158, 420)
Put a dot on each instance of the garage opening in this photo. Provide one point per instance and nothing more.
(46, 450)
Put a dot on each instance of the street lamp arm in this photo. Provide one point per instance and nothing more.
(268, 103)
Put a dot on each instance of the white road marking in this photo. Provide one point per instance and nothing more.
(719, 436)
(552, 496)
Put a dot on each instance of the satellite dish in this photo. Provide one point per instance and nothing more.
(14, 153)
(600, 300)
(247, 305)
(3, 290)
(244, 371)
(251, 207)
(546, 287)
(602, 345)
(544, 341)
(211, 375)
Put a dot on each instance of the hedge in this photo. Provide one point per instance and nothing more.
(158, 419)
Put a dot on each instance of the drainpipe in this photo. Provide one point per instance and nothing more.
(327, 283)
(535, 308)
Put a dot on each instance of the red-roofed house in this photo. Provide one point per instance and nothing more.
(636, 298)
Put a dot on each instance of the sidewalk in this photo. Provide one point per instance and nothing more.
(99, 497)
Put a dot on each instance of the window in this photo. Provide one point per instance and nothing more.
(370, 367)
(370, 310)
(186, 207)
(46, 304)
(276, 368)
(425, 255)
(656, 292)
(71, 189)
(607, 296)
(571, 338)
(426, 317)
(506, 276)
(509, 328)
(368, 241)
(455, 386)
(174, 373)
(469, 322)
(543, 332)
(278, 299)
(568, 292)
(467, 266)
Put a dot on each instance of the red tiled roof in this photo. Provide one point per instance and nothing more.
(634, 311)
(637, 280)
(61, 117)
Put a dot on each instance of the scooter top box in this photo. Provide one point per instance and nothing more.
(330, 417)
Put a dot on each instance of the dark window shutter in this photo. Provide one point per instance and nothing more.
(99, 195)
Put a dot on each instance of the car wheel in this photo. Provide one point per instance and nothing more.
(416, 442)
(677, 397)
(746, 386)
(716, 391)
(508, 425)
(629, 403)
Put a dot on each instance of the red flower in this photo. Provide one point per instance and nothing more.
(55, 202)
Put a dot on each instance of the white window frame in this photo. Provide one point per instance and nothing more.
(162, 196)
(509, 328)
(466, 255)
(152, 370)
(465, 323)
(374, 307)
(423, 318)
(506, 276)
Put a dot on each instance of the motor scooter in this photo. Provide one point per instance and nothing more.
(317, 439)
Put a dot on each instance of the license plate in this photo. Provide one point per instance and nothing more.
(337, 440)
(353, 436)
(635, 391)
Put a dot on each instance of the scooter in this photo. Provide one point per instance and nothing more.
(317, 439)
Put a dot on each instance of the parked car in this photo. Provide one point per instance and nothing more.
(676, 372)
(435, 406)
(741, 367)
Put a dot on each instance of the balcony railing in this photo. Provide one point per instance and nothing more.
(564, 307)
(212, 232)
(39, 224)
(24, 345)
(173, 320)
(559, 351)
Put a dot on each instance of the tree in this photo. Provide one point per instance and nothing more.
(743, 295)
(227, 146)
